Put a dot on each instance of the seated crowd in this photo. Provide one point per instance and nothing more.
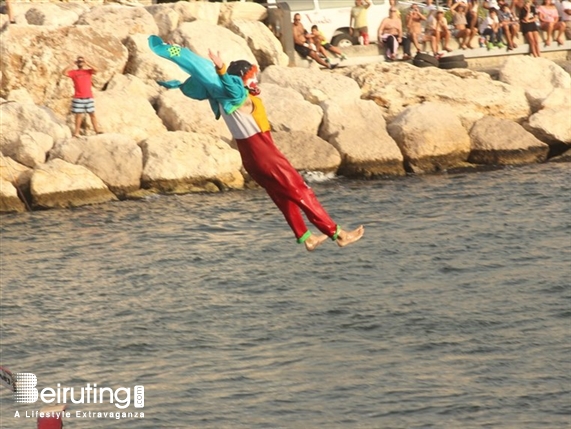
(493, 23)
(472, 23)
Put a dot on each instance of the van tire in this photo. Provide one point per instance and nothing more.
(454, 65)
(452, 58)
(342, 40)
(427, 58)
(422, 63)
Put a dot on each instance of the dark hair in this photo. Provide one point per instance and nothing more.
(239, 68)
(314, 27)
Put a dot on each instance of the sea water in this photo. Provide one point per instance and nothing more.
(453, 311)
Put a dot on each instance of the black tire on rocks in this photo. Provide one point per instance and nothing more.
(427, 58)
(454, 65)
(452, 58)
(422, 63)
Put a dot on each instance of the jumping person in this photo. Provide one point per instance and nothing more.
(82, 101)
(232, 92)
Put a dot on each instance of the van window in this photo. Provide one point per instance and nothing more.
(296, 5)
(334, 4)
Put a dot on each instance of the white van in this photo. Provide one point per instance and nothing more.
(334, 16)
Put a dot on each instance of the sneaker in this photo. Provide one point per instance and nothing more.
(500, 45)
(489, 45)
(343, 57)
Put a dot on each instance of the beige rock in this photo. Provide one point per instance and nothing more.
(181, 113)
(540, 78)
(31, 149)
(59, 184)
(502, 142)
(114, 158)
(431, 137)
(50, 14)
(133, 85)
(264, 45)
(357, 130)
(9, 201)
(20, 95)
(166, 18)
(552, 123)
(121, 21)
(34, 57)
(472, 95)
(307, 81)
(287, 110)
(198, 10)
(14, 172)
(179, 162)
(235, 11)
(129, 114)
(219, 39)
(19, 119)
(307, 152)
(147, 66)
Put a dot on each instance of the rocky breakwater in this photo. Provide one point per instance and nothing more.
(362, 121)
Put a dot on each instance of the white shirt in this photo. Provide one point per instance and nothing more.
(563, 6)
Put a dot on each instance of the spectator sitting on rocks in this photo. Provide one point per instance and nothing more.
(461, 30)
(323, 45)
(472, 19)
(565, 15)
(82, 101)
(414, 21)
(509, 24)
(492, 30)
(437, 31)
(549, 22)
(301, 41)
(528, 19)
(390, 33)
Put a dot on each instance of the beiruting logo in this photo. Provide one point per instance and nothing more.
(24, 387)
(26, 393)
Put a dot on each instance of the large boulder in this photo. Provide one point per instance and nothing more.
(148, 66)
(180, 162)
(34, 58)
(166, 18)
(315, 85)
(121, 112)
(18, 119)
(307, 152)
(538, 77)
(552, 123)
(9, 201)
(237, 11)
(31, 148)
(207, 12)
(17, 174)
(121, 21)
(181, 113)
(501, 142)
(133, 85)
(53, 14)
(431, 137)
(357, 130)
(472, 95)
(59, 184)
(287, 110)
(264, 45)
(114, 158)
(219, 39)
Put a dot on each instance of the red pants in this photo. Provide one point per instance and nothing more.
(272, 171)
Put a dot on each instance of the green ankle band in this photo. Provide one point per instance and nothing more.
(304, 237)
(337, 231)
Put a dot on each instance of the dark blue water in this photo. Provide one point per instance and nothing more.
(454, 311)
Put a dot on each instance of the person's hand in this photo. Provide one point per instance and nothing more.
(218, 63)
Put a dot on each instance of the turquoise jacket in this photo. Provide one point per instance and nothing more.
(204, 83)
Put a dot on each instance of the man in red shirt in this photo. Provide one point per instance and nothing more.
(83, 97)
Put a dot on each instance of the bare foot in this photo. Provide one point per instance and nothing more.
(345, 238)
(313, 242)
